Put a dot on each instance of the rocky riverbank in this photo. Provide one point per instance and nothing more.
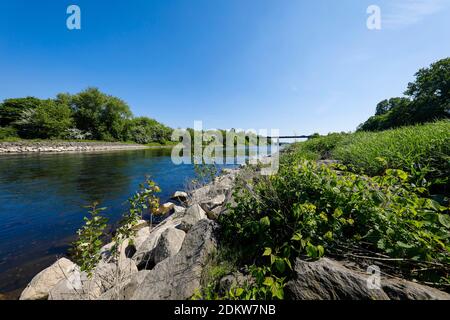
(63, 146)
(168, 261)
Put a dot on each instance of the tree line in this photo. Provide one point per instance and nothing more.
(427, 99)
(89, 114)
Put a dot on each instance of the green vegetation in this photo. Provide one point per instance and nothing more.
(423, 151)
(427, 100)
(385, 201)
(86, 250)
(89, 114)
(310, 210)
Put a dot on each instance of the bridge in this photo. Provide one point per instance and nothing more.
(291, 137)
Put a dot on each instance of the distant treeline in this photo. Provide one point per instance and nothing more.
(88, 115)
(426, 99)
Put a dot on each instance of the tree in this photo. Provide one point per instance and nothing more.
(431, 92)
(145, 130)
(11, 109)
(429, 100)
(49, 120)
(102, 115)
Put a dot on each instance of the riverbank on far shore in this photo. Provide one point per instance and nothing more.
(38, 146)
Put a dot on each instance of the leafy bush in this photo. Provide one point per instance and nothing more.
(8, 132)
(423, 150)
(318, 148)
(86, 249)
(11, 109)
(48, 120)
(310, 210)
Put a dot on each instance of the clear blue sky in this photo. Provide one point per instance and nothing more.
(300, 66)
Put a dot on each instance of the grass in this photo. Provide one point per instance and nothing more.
(422, 150)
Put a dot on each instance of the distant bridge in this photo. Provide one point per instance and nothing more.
(291, 137)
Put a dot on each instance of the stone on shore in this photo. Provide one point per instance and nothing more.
(104, 277)
(180, 196)
(169, 244)
(41, 285)
(327, 279)
(193, 215)
(177, 277)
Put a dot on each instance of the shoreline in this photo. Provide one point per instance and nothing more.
(23, 147)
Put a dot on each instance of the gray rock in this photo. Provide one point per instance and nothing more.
(104, 277)
(179, 210)
(144, 251)
(327, 279)
(193, 215)
(399, 289)
(41, 285)
(180, 196)
(210, 204)
(177, 277)
(169, 244)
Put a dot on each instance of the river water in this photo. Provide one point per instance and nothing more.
(42, 200)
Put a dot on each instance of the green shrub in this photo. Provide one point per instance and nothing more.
(319, 148)
(8, 132)
(310, 210)
(86, 250)
(423, 150)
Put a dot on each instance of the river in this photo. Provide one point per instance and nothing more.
(42, 200)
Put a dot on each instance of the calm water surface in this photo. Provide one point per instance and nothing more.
(42, 199)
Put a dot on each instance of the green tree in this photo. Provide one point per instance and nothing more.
(145, 130)
(428, 100)
(49, 120)
(11, 109)
(102, 115)
(431, 92)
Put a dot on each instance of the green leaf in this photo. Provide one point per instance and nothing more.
(280, 265)
(311, 251)
(320, 251)
(297, 236)
(267, 252)
(338, 212)
(265, 221)
(268, 281)
(444, 219)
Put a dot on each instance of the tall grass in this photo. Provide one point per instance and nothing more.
(421, 147)
(421, 150)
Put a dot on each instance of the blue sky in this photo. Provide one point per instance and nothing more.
(300, 66)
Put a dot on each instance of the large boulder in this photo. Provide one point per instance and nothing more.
(180, 196)
(193, 214)
(327, 279)
(105, 276)
(169, 244)
(39, 288)
(144, 250)
(177, 277)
